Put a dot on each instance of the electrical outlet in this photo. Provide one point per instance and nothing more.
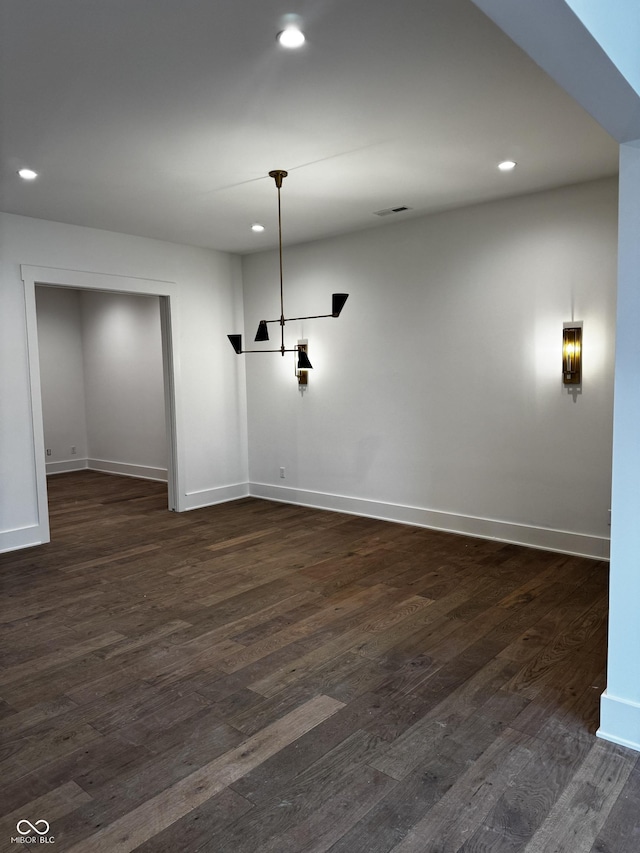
(282, 473)
(73, 450)
(48, 451)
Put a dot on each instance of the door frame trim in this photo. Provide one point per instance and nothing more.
(86, 280)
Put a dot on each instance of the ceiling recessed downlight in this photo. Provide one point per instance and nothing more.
(291, 37)
(507, 165)
(257, 227)
(27, 174)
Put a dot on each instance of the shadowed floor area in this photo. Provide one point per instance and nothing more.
(262, 677)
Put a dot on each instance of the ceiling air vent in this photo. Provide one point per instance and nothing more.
(391, 210)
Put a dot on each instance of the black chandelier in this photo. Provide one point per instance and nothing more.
(337, 304)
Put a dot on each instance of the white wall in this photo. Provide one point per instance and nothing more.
(616, 26)
(210, 393)
(588, 47)
(62, 375)
(124, 383)
(620, 707)
(102, 381)
(436, 397)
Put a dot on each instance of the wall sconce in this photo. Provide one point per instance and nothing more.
(572, 353)
(303, 365)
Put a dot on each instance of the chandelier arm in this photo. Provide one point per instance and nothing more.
(292, 349)
(290, 319)
(310, 317)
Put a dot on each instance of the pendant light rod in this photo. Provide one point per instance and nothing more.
(278, 175)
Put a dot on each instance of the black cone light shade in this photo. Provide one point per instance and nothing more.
(236, 342)
(303, 361)
(337, 303)
(263, 333)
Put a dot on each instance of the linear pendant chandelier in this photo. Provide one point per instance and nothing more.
(337, 304)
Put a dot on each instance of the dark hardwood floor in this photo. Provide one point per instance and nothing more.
(261, 677)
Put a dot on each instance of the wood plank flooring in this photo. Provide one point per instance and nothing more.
(261, 677)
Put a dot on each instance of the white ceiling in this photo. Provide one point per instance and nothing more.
(162, 118)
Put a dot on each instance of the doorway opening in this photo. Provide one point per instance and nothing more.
(98, 282)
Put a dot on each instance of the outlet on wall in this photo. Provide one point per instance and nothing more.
(73, 450)
(282, 473)
(48, 451)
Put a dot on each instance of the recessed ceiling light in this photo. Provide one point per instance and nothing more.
(257, 227)
(507, 165)
(27, 174)
(291, 37)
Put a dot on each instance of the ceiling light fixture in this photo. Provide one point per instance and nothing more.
(291, 37)
(507, 165)
(27, 174)
(257, 227)
(337, 304)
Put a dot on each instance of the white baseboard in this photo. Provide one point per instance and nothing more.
(124, 469)
(619, 721)
(545, 539)
(23, 537)
(143, 472)
(192, 500)
(65, 466)
(209, 497)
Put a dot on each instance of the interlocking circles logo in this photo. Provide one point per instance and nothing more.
(33, 833)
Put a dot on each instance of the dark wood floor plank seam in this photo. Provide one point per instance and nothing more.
(127, 833)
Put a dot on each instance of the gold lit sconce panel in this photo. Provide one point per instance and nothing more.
(303, 364)
(572, 354)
